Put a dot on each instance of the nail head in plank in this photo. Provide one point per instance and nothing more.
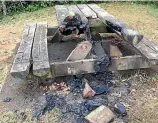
(89, 13)
(21, 64)
(41, 65)
(128, 33)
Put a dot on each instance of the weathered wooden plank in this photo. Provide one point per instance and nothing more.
(128, 62)
(87, 11)
(115, 51)
(21, 64)
(80, 52)
(61, 13)
(88, 65)
(146, 50)
(150, 44)
(110, 49)
(128, 33)
(75, 9)
(40, 58)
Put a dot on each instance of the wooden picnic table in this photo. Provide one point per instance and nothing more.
(33, 55)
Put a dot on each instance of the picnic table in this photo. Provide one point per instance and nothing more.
(34, 55)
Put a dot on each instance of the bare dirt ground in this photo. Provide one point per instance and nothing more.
(142, 102)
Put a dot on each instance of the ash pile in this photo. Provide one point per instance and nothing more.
(86, 98)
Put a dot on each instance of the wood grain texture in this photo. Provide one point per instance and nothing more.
(21, 64)
(147, 51)
(75, 9)
(80, 52)
(89, 13)
(115, 51)
(88, 65)
(40, 51)
(61, 13)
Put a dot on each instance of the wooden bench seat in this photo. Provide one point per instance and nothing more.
(32, 51)
(40, 51)
(21, 64)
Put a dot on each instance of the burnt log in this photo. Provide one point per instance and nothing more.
(126, 31)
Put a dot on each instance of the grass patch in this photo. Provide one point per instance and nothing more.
(26, 117)
(44, 14)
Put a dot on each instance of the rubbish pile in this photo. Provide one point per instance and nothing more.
(87, 97)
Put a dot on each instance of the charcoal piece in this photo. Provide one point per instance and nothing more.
(91, 104)
(78, 118)
(127, 84)
(76, 108)
(121, 109)
(100, 89)
(84, 110)
(67, 108)
(36, 114)
(104, 76)
(59, 103)
(7, 99)
(75, 84)
(53, 101)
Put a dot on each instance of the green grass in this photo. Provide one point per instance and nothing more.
(43, 14)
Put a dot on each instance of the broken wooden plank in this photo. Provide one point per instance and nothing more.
(126, 31)
(40, 58)
(115, 51)
(75, 9)
(61, 13)
(21, 64)
(89, 13)
(88, 65)
(102, 114)
(80, 52)
(110, 35)
(53, 34)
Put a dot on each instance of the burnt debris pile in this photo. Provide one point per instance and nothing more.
(73, 102)
(72, 24)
